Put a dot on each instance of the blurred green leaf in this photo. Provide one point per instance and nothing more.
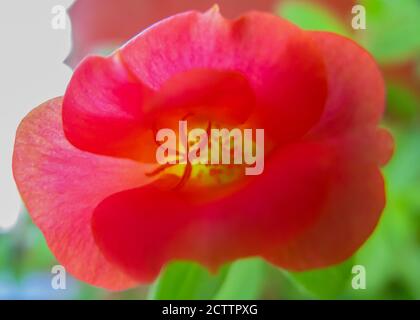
(38, 256)
(4, 248)
(327, 283)
(392, 33)
(186, 280)
(392, 255)
(401, 101)
(310, 16)
(244, 280)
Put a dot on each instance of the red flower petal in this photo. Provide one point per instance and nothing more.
(279, 60)
(103, 109)
(356, 194)
(107, 111)
(144, 228)
(61, 186)
(356, 93)
(98, 23)
(223, 96)
(350, 214)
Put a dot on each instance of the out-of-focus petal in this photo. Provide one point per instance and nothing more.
(99, 24)
(341, 8)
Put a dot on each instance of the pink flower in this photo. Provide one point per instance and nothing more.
(86, 169)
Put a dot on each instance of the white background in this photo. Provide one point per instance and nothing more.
(31, 72)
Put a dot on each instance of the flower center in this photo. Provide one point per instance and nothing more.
(207, 156)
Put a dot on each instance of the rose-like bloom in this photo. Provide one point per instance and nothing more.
(86, 169)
